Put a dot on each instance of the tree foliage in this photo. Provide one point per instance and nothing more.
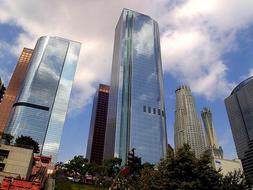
(112, 167)
(234, 180)
(7, 138)
(183, 171)
(29, 142)
(179, 171)
(78, 166)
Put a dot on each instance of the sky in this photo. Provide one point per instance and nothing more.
(205, 44)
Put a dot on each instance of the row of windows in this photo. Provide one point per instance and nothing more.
(156, 111)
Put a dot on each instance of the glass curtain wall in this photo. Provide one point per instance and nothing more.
(41, 107)
(136, 114)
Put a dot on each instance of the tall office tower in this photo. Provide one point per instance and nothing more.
(187, 126)
(41, 106)
(14, 87)
(96, 141)
(212, 146)
(239, 107)
(136, 111)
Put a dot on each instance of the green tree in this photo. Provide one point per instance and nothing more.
(235, 180)
(183, 171)
(78, 166)
(112, 167)
(7, 138)
(28, 141)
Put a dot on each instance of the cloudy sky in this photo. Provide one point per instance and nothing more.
(205, 44)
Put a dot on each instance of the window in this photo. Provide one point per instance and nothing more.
(159, 111)
(2, 165)
(4, 153)
(149, 109)
(144, 109)
(154, 111)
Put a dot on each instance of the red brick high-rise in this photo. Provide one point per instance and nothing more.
(14, 87)
(95, 147)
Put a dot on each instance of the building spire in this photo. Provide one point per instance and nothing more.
(212, 145)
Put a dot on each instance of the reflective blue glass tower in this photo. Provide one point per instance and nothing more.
(41, 106)
(136, 112)
(239, 107)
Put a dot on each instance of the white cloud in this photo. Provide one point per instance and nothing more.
(90, 22)
(4, 76)
(251, 73)
(143, 35)
(195, 34)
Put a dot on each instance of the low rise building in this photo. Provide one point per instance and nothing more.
(227, 166)
(15, 161)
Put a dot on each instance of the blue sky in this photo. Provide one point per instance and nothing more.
(205, 44)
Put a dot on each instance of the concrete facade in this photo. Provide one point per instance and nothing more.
(187, 126)
(15, 161)
(227, 165)
(212, 146)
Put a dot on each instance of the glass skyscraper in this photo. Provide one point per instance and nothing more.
(41, 106)
(96, 141)
(136, 111)
(14, 87)
(239, 107)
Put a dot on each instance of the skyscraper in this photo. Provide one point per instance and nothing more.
(41, 106)
(136, 112)
(96, 141)
(239, 107)
(212, 145)
(14, 87)
(187, 126)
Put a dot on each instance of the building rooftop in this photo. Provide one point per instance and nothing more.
(135, 12)
(206, 110)
(183, 87)
(242, 84)
(104, 88)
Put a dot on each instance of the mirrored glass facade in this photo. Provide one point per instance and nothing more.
(239, 107)
(41, 107)
(136, 112)
(14, 87)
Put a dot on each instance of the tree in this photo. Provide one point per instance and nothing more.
(134, 163)
(78, 166)
(183, 171)
(235, 180)
(8, 138)
(149, 178)
(28, 141)
(112, 167)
